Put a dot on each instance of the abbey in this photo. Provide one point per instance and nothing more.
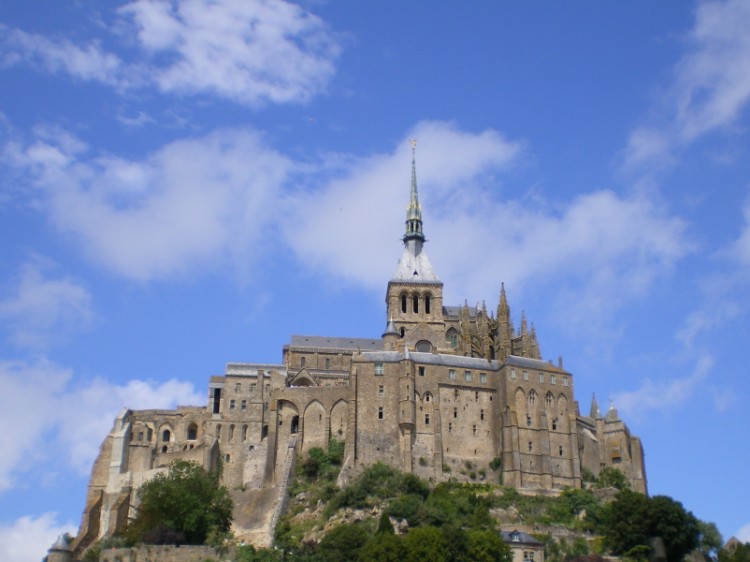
(446, 392)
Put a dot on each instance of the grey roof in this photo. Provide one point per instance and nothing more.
(445, 360)
(521, 538)
(529, 363)
(455, 311)
(330, 342)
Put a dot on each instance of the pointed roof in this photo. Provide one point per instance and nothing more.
(594, 411)
(414, 265)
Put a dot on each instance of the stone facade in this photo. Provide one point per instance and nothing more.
(446, 392)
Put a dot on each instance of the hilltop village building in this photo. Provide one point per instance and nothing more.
(444, 388)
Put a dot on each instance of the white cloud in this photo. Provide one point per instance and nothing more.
(744, 533)
(28, 538)
(193, 202)
(66, 421)
(709, 90)
(44, 310)
(605, 247)
(250, 51)
(663, 395)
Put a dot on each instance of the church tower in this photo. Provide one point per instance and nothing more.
(414, 299)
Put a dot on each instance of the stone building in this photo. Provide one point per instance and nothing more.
(445, 392)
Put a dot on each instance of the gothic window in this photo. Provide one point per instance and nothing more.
(403, 304)
(451, 337)
(378, 369)
(532, 396)
(192, 432)
(548, 399)
(427, 303)
(415, 303)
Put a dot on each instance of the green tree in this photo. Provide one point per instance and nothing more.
(632, 519)
(710, 539)
(383, 547)
(342, 543)
(737, 553)
(182, 506)
(426, 543)
(610, 477)
(487, 546)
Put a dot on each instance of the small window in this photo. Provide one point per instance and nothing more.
(427, 419)
(561, 450)
(328, 363)
(450, 427)
(231, 405)
(427, 397)
(238, 387)
(164, 449)
(403, 305)
(482, 377)
(243, 405)
(554, 424)
(528, 420)
(378, 369)
(227, 458)
(513, 374)
(421, 371)
(455, 413)
(451, 374)
(192, 432)
(302, 361)
(553, 379)
(525, 375)
(474, 429)
(530, 447)
(244, 434)
(427, 304)
(481, 414)
(541, 377)
(380, 412)
(564, 381)
(476, 397)
(455, 394)
(381, 391)
(467, 376)
(415, 303)
(253, 387)
(166, 436)
(402, 332)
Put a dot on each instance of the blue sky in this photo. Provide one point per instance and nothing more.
(188, 184)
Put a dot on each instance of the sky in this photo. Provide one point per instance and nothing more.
(187, 184)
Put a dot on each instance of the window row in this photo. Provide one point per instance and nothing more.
(565, 381)
(468, 376)
(326, 362)
(412, 301)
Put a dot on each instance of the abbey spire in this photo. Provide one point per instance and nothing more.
(414, 266)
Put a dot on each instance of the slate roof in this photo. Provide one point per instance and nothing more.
(331, 342)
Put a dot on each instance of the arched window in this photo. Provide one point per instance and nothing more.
(403, 303)
(427, 303)
(166, 436)
(192, 432)
(301, 361)
(427, 397)
(415, 303)
(231, 433)
(548, 399)
(244, 433)
(402, 331)
(424, 345)
(451, 336)
(532, 396)
(295, 424)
